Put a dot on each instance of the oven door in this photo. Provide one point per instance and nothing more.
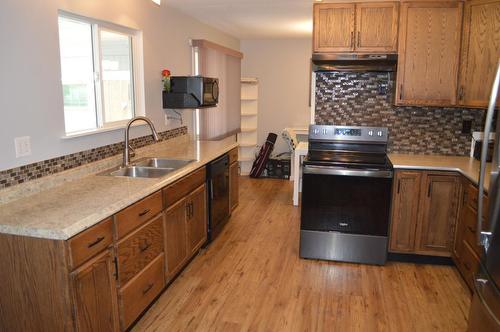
(346, 200)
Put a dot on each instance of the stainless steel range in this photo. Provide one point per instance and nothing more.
(346, 195)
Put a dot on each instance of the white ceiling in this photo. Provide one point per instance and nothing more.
(252, 19)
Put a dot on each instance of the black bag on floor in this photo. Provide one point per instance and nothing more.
(265, 151)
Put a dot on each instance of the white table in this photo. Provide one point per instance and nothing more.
(298, 155)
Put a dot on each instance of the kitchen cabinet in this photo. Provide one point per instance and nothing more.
(429, 48)
(424, 212)
(405, 210)
(197, 219)
(333, 27)
(355, 27)
(233, 179)
(94, 294)
(377, 27)
(186, 221)
(466, 251)
(439, 214)
(480, 51)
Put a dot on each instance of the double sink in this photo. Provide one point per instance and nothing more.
(148, 168)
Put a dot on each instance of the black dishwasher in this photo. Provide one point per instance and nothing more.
(218, 195)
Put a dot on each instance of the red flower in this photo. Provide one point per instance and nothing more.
(165, 72)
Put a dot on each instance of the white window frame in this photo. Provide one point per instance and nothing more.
(137, 79)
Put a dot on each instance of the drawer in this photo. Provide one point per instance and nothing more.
(137, 214)
(141, 291)
(470, 264)
(184, 186)
(471, 199)
(139, 248)
(90, 242)
(233, 155)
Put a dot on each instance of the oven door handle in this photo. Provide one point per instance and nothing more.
(328, 170)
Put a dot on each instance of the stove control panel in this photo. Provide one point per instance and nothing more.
(348, 133)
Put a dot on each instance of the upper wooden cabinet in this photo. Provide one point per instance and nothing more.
(377, 27)
(334, 27)
(480, 51)
(429, 44)
(361, 27)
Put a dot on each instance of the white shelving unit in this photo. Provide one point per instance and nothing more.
(249, 114)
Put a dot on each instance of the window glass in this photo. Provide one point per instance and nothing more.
(116, 57)
(77, 71)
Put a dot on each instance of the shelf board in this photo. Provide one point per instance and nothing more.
(248, 145)
(249, 114)
(249, 99)
(251, 80)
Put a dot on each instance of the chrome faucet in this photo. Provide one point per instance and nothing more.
(126, 151)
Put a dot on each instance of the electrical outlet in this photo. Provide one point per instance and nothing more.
(23, 146)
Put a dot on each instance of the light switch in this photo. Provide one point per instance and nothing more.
(23, 146)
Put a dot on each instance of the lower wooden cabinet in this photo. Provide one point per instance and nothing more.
(425, 212)
(94, 294)
(196, 219)
(175, 237)
(185, 229)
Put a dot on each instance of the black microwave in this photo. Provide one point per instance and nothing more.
(191, 92)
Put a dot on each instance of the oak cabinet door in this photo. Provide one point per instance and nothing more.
(429, 47)
(440, 203)
(233, 186)
(377, 27)
(94, 294)
(197, 221)
(175, 237)
(405, 211)
(480, 52)
(333, 27)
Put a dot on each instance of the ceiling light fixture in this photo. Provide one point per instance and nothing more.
(158, 2)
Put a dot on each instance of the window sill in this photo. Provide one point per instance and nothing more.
(99, 130)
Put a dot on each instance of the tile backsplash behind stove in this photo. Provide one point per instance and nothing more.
(367, 99)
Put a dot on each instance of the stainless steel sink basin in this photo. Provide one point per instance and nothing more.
(172, 164)
(138, 172)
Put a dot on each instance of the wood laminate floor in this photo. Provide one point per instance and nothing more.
(252, 279)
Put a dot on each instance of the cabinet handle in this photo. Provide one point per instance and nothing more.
(399, 185)
(192, 209)
(92, 244)
(429, 190)
(115, 261)
(187, 211)
(461, 93)
(147, 289)
(359, 39)
(143, 213)
(401, 92)
(352, 39)
(145, 247)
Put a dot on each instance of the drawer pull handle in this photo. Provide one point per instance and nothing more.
(145, 247)
(143, 213)
(472, 230)
(147, 289)
(97, 241)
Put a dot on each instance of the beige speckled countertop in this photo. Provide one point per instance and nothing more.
(64, 211)
(467, 166)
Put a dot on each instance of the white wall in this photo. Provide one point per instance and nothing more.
(282, 67)
(31, 101)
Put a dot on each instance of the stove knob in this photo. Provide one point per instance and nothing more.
(316, 131)
(379, 133)
(325, 131)
(370, 133)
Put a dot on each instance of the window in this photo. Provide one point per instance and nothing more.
(97, 68)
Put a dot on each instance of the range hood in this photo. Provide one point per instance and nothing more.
(354, 62)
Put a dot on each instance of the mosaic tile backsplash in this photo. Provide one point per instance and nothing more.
(40, 169)
(366, 99)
